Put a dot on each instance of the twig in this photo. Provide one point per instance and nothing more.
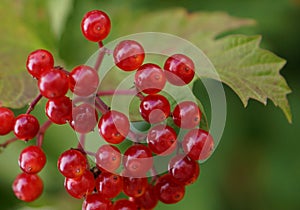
(41, 134)
(8, 142)
(34, 103)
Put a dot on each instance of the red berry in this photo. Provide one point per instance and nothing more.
(27, 187)
(26, 127)
(179, 69)
(129, 55)
(38, 62)
(109, 185)
(80, 186)
(198, 144)
(96, 202)
(84, 80)
(148, 200)
(95, 25)
(155, 108)
(32, 159)
(150, 78)
(114, 127)
(7, 120)
(162, 139)
(168, 191)
(59, 110)
(134, 186)
(72, 163)
(187, 115)
(124, 204)
(183, 170)
(137, 160)
(108, 157)
(53, 83)
(84, 118)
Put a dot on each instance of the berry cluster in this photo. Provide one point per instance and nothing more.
(105, 185)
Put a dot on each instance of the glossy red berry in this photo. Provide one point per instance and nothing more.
(96, 202)
(114, 127)
(38, 62)
(198, 144)
(124, 204)
(7, 120)
(129, 55)
(108, 157)
(27, 187)
(134, 186)
(81, 186)
(187, 115)
(59, 110)
(162, 139)
(155, 108)
(95, 25)
(84, 80)
(109, 185)
(32, 159)
(148, 200)
(180, 69)
(183, 170)
(53, 83)
(84, 118)
(72, 163)
(168, 191)
(137, 160)
(26, 127)
(150, 78)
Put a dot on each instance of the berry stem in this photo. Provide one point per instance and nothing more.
(34, 103)
(81, 143)
(6, 143)
(101, 54)
(41, 134)
(154, 174)
(101, 106)
(117, 92)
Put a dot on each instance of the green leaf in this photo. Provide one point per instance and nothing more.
(19, 36)
(250, 71)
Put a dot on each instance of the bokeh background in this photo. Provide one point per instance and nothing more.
(257, 163)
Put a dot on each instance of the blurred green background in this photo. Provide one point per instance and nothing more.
(257, 163)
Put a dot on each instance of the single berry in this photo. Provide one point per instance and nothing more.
(81, 186)
(134, 186)
(183, 170)
(95, 25)
(53, 83)
(59, 110)
(84, 118)
(168, 191)
(150, 78)
(162, 139)
(114, 127)
(148, 200)
(179, 69)
(124, 204)
(137, 160)
(32, 159)
(83, 80)
(109, 185)
(7, 120)
(27, 187)
(96, 202)
(129, 55)
(198, 144)
(38, 62)
(155, 108)
(108, 158)
(72, 163)
(187, 115)
(26, 127)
